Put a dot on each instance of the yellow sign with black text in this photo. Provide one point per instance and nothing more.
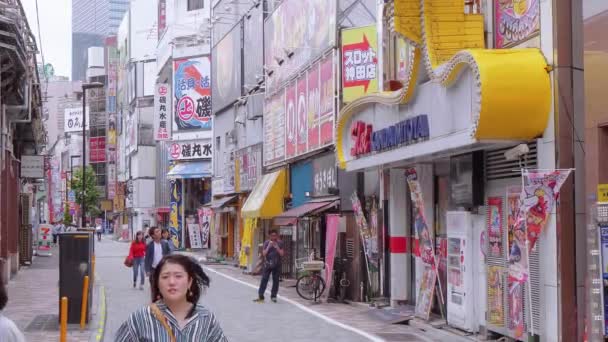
(359, 62)
(602, 192)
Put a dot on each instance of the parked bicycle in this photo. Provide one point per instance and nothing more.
(311, 285)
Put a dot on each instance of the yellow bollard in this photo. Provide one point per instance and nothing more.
(64, 320)
(85, 298)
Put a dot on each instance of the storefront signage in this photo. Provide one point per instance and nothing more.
(602, 192)
(406, 132)
(73, 120)
(516, 21)
(162, 112)
(194, 232)
(32, 166)
(293, 40)
(299, 118)
(97, 149)
(324, 175)
(204, 217)
(192, 93)
(248, 167)
(162, 17)
(359, 62)
(188, 150)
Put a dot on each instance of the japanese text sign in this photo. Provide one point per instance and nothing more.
(192, 91)
(162, 112)
(73, 120)
(324, 174)
(188, 150)
(359, 62)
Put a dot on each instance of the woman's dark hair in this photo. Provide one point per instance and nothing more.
(142, 236)
(200, 280)
(165, 230)
(3, 295)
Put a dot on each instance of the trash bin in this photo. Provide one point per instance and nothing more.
(75, 262)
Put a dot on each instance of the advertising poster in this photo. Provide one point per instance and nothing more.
(518, 254)
(495, 296)
(204, 219)
(274, 129)
(327, 85)
(516, 308)
(175, 216)
(192, 94)
(290, 121)
(297, 39)
(541, 190)
(301, 116)
(226, 63)
(515, 21)
(331, 239)
(194, 232)
(495, 219)
(314, 107)
(359, 62)
(423, 233)
(424, 302)
(162, 112)
(45, 238)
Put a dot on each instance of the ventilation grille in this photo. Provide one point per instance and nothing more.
(350, 248)
(497, 167)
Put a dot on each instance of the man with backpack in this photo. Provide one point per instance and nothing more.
(272, 253)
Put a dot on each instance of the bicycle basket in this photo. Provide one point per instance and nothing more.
(315, 265)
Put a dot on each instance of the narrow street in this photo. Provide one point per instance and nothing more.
(241, 319)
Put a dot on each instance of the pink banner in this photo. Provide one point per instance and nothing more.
(314, 106)
(290, 122)
(327, 101)
(331, 239)
(301, 113)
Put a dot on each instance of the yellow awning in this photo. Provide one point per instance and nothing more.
(266, 198)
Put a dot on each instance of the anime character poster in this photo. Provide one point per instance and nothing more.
(192, 92)
(175, 218)
(495, 296)
(515, 21)
(518, 254)
(495, 219)
(541, 191)
(516, 308)
(420, 226)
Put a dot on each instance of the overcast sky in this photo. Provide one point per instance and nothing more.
(56, 31)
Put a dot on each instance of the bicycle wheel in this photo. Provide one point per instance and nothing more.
(318, 287)
(305, 288)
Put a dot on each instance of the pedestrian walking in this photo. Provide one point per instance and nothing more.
(8, 330)
(155, 251)
(137, 254)
(174, 315)
(98, 230)
(167, 237)
(57, 229)
(272, 253)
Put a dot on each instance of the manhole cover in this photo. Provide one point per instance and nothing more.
(400, 337)
(43, 323)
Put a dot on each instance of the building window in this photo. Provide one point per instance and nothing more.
(195, 4)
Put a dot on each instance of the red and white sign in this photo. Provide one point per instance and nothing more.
(290, 122)
(328, 102)
(314, 107)
(301, 113)
(97, 149)
(188, 150)
(162, 112)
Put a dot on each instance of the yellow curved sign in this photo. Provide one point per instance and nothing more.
(513, 86)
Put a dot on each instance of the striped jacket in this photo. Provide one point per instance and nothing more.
(142, 326)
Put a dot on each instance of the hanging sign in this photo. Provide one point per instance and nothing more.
(204, 217)
(359, 62)
(188, 150)
(162, 112)
(194, 231)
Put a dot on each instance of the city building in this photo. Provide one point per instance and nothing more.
(92, 22)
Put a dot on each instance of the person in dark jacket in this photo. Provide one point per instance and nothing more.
(155, 251)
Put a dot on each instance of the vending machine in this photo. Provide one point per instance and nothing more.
(461, 267)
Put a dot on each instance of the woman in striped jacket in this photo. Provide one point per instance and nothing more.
(175, 315)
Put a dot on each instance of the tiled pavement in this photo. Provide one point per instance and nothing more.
(34, 296)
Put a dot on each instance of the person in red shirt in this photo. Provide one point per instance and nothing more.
(137, 252)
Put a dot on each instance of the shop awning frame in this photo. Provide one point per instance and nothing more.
(266, 199)
(191, 170)
(310, 208)
(221, 202)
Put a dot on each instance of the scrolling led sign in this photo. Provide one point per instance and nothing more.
(406, 132)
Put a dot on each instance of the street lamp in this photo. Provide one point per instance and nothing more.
(85, 87)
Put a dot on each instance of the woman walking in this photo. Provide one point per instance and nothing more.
(174, 315)
(137, 252)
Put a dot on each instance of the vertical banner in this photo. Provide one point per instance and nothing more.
(423, 234)
(518, 254)
(366, 235)
(175, 216)
(301, 116)
(359, 62)
(327, 85)
(204, 219)
(314, 107)
(162, 112)
(516, 308)
(515, 21)
(495, 296)
(247, 242)
(290, 121)
(331, 238)
(194, 232)
(274, 129)
(192, 91)
(494, 224)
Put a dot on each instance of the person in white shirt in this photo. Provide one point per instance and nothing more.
(8, 330)
(155, 251)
